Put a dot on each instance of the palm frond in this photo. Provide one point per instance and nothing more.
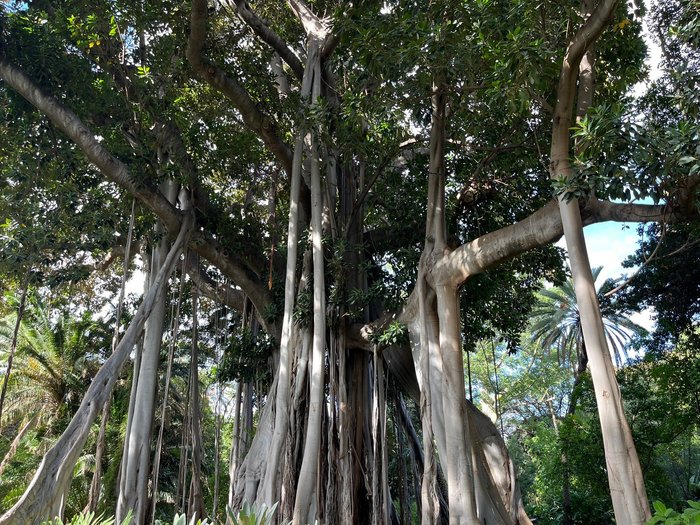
(555, 325)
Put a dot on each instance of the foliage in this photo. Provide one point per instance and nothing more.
(395, 333)
(667, 282)
(556, 324)
(181, 519)
(690, 515)
(500, 58)
(251, 514)
(88, 518)
(57, 354)
(246, 356)
(534, 391)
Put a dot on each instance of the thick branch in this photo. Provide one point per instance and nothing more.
(72, 126)
(224, 294)
(589, 33)
(169, 137)
(566, 90)
(313, 25)
(255, 119)
(317, 27)
(269, 37)
(540, 228)
(116, 171)
(602, 211)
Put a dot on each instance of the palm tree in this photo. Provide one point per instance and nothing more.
(57, 355)
(556, 324)
(56, 358)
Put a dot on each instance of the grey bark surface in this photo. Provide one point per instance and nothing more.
(135, 474)
(195, 505)
(624, 472)
(305, 508)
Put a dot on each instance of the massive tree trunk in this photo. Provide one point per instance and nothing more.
(474, 495)
(358, 438)
(624, 472)
(43, 496)
(284, 372)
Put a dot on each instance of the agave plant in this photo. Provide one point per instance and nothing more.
(251, 515)
(181, 519)
(88, 518)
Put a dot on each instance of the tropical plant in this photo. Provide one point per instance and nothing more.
(556, 324)
(57, 355)
(251, 514)
(88, 518)
(181, 519)
(667, 516)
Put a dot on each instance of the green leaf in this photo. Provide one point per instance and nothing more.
(659, 507)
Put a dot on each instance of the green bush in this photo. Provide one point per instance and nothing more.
(690, 516)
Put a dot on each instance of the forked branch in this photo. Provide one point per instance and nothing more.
(269, 36)
(538, 229)
(258, 122)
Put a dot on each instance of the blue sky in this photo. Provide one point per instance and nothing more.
(609, 244)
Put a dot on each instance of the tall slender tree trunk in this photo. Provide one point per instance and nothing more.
(16, 442)
(234, 456)
(440, 345)
(305, 508)
(196, 496)
(96, 483)
(133, 490)
(284, 372)
(480, 483)
(174, 331)
(218, 421)
(624, 472)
